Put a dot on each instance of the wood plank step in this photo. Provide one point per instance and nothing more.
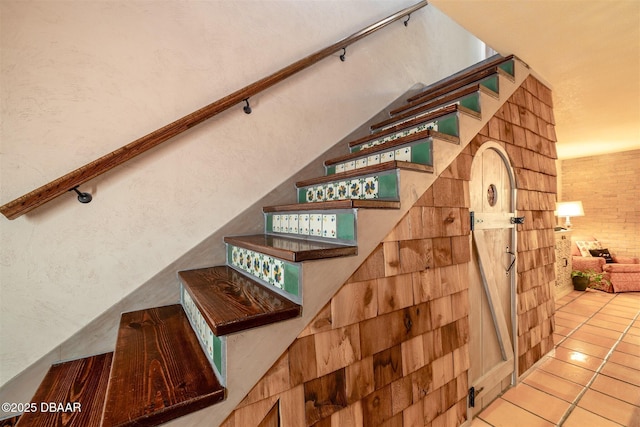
(427, 133)
(76, 389)
(159, 372)
(382, 167)
(465, 76)
(334, 204)
(9, 421)
(431, 104)
(484, 77)
(452, 109)
(231, 302)
(291, 249)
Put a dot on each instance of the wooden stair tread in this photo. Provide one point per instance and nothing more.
(454, 81)
(159, 371)
(291, 249)
(335, 204)
(367, 170)
(427, 133)
(231, 302)
(429, 104)
(450, 109)
(81, 382)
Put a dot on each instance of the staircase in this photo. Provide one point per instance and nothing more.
(211, 348)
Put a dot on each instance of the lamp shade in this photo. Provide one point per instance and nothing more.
(569, 209)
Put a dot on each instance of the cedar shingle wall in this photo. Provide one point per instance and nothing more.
(609, 188)
(391, 348)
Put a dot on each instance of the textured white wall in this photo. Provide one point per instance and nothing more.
(80, 79)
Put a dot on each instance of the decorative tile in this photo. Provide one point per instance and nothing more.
(349, 166)
(330, 192)
(403, 154)
(319, 193)
(370, 190)
(273, 271)
(266, 271)
(315, 224)
(329, 226)
(213, 346)
(360, 163)
(303, 223)
(310, 195)
(340, 167)
(342, 190)
(387, 156)
(293, 224)
(373, 159)
(278, 274)
(355, 188)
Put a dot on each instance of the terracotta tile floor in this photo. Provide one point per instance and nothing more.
(591, 378)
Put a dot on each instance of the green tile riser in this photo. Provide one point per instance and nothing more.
(416, 152)
(491, 83)
(383, 186)
(336, 225)
(283, 276)
(447, 124)
(213, 346)
(508, 67)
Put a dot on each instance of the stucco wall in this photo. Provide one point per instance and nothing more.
(80, 79)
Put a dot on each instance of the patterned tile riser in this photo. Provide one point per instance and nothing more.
(383, 187)
(282, 276)
(213, 346)
(447, 124)
(406, 132)
(337, 225)
(416, 152)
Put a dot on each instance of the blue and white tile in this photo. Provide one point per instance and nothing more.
(310, 195)
(342, 190)
(374, 159)
(403, 154)
(356, 188)
(387, 156)
(293, 224)
(330, 192)
(315, 224)
(371, 190)
(303, 223)
(329, 226)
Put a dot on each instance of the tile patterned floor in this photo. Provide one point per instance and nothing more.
(591, 378)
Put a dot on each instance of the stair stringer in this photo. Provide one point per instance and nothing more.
(251, 353)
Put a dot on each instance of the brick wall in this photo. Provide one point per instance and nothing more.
(391, 348)
(609, 188)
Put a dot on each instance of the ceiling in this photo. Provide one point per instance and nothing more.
(587, 51)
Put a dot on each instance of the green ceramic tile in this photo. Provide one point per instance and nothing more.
(422, 153)
(388, 185)
(302, 195)
(346, 226)
(491, 83)
(508, 67)
(292, 279)
(269, 223)
(217, 353)
(331, 170)
(471, 102)
(449, 125)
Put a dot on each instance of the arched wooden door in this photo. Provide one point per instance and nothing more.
(492, 273)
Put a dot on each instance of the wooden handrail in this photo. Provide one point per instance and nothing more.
(67, 182)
